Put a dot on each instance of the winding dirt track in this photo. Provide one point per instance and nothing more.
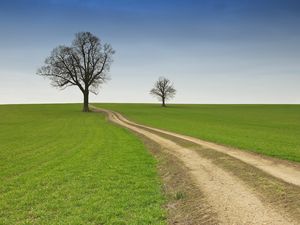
(233, 201)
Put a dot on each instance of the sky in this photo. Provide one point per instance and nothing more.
(214, 51)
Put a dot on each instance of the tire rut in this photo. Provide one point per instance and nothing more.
(229, 197)
(281, 169)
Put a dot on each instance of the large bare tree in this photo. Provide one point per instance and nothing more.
(84, 64)
(163, 89)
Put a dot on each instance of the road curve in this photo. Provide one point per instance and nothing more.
(286, 171)
(233, 201)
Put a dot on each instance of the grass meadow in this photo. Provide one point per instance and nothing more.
(272, 130)
(61, 166)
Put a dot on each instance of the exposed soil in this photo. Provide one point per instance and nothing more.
(226, 196)
(282, 169)
(185, 202)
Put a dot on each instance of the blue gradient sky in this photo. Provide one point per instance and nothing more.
(215, 51)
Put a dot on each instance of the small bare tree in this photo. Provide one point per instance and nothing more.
(84, 64)
(163, 90)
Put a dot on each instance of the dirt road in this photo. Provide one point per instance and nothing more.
(232, 200)
(288, 172)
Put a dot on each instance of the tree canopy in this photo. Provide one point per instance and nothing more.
(84, 64)
(163, 89)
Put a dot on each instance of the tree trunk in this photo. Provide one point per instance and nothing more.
(163, 102)
(85, 101)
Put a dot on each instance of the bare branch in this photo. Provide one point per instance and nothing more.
(163, 90)
(85, 64)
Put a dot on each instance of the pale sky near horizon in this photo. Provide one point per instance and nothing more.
(214, 51)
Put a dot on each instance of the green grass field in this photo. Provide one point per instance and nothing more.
(61, 166)
(272, 130)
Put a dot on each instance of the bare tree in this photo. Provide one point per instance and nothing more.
(84, 64)
(163, 90)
